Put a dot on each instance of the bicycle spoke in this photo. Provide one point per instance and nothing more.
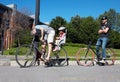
(110, 54)
(85, 57)
(25, 56)
(60, 57)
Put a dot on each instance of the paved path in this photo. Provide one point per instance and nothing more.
(10, 61)
(71, 73)
(11, 72)
(13, 63)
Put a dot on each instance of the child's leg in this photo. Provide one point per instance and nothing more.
(56, 45)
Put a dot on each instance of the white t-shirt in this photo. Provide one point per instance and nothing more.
(46, 28)
(49, 32)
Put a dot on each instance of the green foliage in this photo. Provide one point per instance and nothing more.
(71, 49)
(58, 22)
(114, 40)
(74, 30)
(10, 51)
(80, 29)
(23, 36)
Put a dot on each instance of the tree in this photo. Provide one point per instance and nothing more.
(58, 22)
(22, 25)
(74, 29)
(23, 36)
(82, 29)
(89, 29)
(114, 34)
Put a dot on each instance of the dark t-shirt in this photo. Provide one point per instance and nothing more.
(37, 35)
(103, 26)
(36, 38)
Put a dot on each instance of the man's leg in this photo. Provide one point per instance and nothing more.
(97, 48)
(36, 44)
(104, 43)
(49, 51)
(50, 41)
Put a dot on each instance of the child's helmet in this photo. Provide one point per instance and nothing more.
(61, 28)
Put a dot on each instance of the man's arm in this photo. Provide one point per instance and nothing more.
(42, 34)
(33, 31)
(103, 30)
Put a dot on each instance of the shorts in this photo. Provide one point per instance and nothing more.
(50, 37)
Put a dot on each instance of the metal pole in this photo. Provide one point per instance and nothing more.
(37, 11)
(2, 41)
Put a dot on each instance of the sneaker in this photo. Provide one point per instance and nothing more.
(102, 61)
(97, 59)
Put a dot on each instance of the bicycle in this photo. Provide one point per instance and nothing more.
(87, 56)
(26, 56)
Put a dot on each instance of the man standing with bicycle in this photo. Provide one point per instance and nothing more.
(47, 37)
(103, 39)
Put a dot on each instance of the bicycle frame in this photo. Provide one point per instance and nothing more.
(32, 54)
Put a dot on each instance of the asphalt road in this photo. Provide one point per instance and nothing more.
(71, 73)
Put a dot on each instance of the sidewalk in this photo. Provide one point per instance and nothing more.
(71, 73)
(5, 60)
(10, 61)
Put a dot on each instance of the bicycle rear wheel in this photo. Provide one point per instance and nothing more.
(110, 55)
(25, 56)
(85, 57)
(60, 57)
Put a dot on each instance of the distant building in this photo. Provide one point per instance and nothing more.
(16, 21)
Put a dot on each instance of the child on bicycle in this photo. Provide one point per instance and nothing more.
(61, 39)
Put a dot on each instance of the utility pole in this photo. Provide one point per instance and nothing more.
(37, 12)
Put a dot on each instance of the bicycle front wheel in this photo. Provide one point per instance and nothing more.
(60, 57)
(25, 56)
(85, 57)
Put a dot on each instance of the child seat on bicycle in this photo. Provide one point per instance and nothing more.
(61, 39)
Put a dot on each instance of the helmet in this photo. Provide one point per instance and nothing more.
(104, 17)
(61, 28)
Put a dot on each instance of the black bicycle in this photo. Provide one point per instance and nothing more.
(87, 56)
(28, 55)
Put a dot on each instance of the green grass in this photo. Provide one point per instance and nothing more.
(69, 47)
(73, 48)
(10, 51)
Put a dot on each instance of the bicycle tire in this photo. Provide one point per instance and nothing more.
(110, 55)
(25, 56)
(60, 57)
(85, 57)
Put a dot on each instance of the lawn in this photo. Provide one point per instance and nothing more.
(73, 48)
(70, 48)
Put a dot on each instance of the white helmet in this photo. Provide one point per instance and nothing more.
(62, 28)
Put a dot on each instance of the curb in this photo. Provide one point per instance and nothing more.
(10, 61)
(13, 63)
